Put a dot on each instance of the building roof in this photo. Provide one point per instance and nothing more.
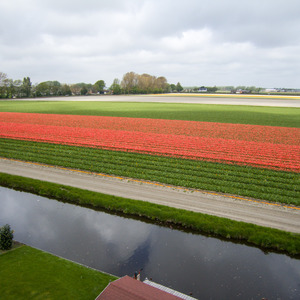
(168, 290)
(127, 288)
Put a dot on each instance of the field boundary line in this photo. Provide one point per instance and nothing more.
(153, 183)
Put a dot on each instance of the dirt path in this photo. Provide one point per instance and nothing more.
(253, 100)
(235, 208)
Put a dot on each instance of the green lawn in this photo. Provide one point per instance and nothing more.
(28, 273)
(240, 114)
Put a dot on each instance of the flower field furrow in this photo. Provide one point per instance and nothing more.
(168, 140)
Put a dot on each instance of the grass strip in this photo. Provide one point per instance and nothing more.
(239, 114)
(271, 185)
(28, 273)
(263, 237)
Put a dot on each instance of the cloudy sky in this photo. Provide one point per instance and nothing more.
(194, 42)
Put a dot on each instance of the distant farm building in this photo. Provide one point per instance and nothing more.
(202, 89)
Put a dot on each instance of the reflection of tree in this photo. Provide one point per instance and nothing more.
(138, 260)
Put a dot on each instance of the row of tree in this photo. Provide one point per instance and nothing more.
(247, 89)
(55, 88)
(10, 88)
(132, 83)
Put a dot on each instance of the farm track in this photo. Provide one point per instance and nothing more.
(257, 212)
(252, 100)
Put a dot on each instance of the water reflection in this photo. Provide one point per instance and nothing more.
(208, 267)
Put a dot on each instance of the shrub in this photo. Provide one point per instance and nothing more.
(6, 237)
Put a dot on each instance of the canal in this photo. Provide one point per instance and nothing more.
(207, 267)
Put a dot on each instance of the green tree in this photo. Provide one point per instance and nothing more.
(55, 88)
(173, 87)
(66, 90)
(212, 89)
(10, 88)
(6, 237)
(17, 86)
(133, 83)
(179, 88)
(26, 87)
(42, 89)
(81, 88)
(99, 86)
(161, 84)
(146, 83)
(129, 82)
(3, 79)
(116, 87)
(83, 91)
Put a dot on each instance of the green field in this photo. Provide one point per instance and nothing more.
(239, 114)
(28, 273)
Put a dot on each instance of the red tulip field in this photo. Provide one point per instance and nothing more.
(254, 145)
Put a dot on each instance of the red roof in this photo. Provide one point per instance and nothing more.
(127, 288)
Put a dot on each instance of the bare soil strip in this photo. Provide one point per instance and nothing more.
(257, 212)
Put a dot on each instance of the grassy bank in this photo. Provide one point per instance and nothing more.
(266, 238)
(28, 273)
(246, 181)
(239, 114)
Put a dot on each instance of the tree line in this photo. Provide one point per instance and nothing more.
(131, 83)
(10, 88)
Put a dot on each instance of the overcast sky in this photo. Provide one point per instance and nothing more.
(194, 42)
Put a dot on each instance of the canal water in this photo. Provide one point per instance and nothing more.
(207, 267)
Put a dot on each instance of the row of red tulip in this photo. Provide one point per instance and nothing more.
(232, 143)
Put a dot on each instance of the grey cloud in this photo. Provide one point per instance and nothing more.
(262, 22)
(248, 42)
(89, 6)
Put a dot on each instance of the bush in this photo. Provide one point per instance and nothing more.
(6, 237)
